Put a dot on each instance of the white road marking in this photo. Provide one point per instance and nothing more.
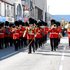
(61, 67)
(62, 59)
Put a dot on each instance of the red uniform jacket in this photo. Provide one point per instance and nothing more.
(16, 35)
(54, 33)
(2, 34)
(68, 34)
(45, 30)
(59, 29)
(30, 35)
(21, 31)
(38, 33)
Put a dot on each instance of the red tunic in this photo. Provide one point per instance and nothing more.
(68, 34)
(38, 33)
(16, 35)
(54, 33)
(25, 33)
(59, 29)
(30, 35)
(1, 35)
(46, 30)
(22, 31)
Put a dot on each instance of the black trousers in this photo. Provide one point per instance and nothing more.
(58, 41)
(25, 42)
(6, 40)
(11, 42)
(31, 45)
(1, 43)
(45, 38)
(16, 44)
(69, 42)
(53, 42)
(36, 43)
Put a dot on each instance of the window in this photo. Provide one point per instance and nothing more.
(19, 10)
(7, 10)
(12, 11)
(0, 9)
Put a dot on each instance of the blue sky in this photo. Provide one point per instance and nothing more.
(60, 17)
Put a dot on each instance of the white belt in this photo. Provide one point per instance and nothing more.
(53, 33)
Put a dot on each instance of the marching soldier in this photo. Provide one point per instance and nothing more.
(1, 36)
(36, 37)
(60, 35)
(16, 37)
(30, 37)
(44, 32)
(54, 34)
(11, 34)
(25, 28)
(68, 32)
(7, 33)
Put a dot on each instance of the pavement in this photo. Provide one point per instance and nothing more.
(42, 59)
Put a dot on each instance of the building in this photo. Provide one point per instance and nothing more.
(37, 8)
(18, 10)
(41, 9)
(49, 17)
(6, 10)
(10, 10)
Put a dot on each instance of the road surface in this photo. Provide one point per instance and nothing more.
(42, 59)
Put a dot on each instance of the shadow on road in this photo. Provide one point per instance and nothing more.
(9, 52)
(56, 53)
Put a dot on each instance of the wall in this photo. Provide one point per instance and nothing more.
(42, 4)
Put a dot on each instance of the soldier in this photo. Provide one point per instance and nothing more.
(38, 37)
(46, 29)
(30, 36)
(1, 36)
(54, 34)
(25, 27)
(40, 34)
(68, 32)
(7, 32)
(20, 34)
(60, 34)
(11, 34)
(16, 37)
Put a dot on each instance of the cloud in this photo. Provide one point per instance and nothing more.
(61, 7)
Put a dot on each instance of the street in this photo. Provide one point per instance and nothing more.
(42, 59)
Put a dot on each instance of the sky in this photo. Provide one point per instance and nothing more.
(58, 7)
